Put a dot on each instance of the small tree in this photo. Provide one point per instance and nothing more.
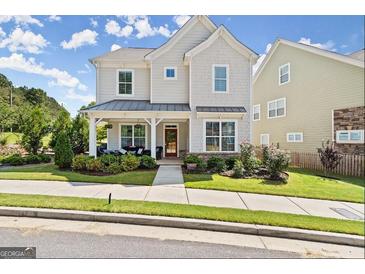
(63, 151)
(79, 134)
(34, 126)
(277, 162)
(62, 123)
(330, 158)
(248, 157)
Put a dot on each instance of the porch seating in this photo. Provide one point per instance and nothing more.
(138, 151)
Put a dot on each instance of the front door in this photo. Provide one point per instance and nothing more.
(171, 142)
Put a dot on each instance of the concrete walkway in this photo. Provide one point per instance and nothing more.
(168, 187)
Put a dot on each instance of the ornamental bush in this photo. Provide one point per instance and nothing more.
(63, 151)
(248, 158)
(330, 158)
(147, 162)
(79, 162)
(45, 158)
(195, 159)
(108, 159)
(216, 164)
(14, 160)
(114, 168)
(230, 162)
(238, 169)
(94, 165)
(277, 162)
(129, 162)
(32, 159)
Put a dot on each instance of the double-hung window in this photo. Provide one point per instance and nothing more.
(125, 82)
(220, 78)
(294, 137)
(350, 136)
(256, 112)
(132, 135)
(276, 108)
(220, 135)
(170, 73)
(264, 139)
(284, 74)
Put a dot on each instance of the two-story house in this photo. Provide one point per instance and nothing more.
(191, 95)
(304, 95)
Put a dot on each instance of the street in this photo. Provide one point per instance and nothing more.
(78, 239)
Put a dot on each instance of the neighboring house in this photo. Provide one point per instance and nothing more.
(190, 95)
(304, 95)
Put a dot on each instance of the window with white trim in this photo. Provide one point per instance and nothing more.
(294, 137)
(284, 74)
(350, 136)
(276, 108)
(264, 139)
(170, 73)
(132, 135)
(220, 136)
(125, 82)
(220, 78)
(256, 112)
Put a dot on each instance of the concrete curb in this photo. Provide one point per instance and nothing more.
(259, 230)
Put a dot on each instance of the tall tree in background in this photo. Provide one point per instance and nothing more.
(63, 123)
(35, 124)
(80, 134)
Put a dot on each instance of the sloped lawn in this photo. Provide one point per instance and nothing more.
(50, 172)
(301, 183)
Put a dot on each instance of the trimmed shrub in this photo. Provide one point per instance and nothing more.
(79, 162)
(230, 162)
(216, 164)
(63, 151)
(114, 168)
(194, 159)
(147, 162)
(108, 159)
(265, 155)
(277, 162)
(45, 158)
(238, 169)
(14, 160)
(32, 159)
(129, 162)
(94, 165)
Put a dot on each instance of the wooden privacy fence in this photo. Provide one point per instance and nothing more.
(351, 165)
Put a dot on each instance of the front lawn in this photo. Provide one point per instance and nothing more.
(186, 211)
(50, 172)
(301, 183)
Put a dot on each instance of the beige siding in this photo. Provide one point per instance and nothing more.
(317, 86)
(176, 91)
(202, 93)
(107, 84)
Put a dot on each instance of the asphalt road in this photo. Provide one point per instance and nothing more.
(60, 244)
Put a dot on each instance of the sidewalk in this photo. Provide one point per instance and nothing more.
(178, 194)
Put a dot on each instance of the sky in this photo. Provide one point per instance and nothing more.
(52, 52)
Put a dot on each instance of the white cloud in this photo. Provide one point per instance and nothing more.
(84, 71)
(26, 41)
(261, 58)
(329, 45)
(164, 31)
(131, 19)
(115, 47)
(79, 39)
(61, 78)
(71, 94)
(180, 20)
(113, 28)
(20, 20)
(53, 18)
(2, 33)
(93, 22)
(144, 28)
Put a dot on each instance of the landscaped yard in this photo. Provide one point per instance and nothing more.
(186, 211)
(301, 183)
(51, 172)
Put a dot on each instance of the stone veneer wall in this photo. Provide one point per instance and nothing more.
(348, 119)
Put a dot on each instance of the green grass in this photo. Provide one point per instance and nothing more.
(186, 211)
(50, 172)
(301, 183)
(13, 138)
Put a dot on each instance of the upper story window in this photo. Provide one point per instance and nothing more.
(284, 74)
(170, 73)
(276, 108)
(256, 112)
(220, 78)
(125, 82)
(294, 137)
(350, 136)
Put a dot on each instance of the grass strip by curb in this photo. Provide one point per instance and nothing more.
(185, 211)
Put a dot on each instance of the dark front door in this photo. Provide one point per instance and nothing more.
(171, 142)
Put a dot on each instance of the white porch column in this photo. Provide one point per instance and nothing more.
(92, 136)
(153, 137)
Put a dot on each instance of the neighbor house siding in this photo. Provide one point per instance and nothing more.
(176, 91)
(317, 86)
(107, 83)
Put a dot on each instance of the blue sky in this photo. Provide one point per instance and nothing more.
(52, 52)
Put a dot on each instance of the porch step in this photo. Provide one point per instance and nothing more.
(170, 162)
